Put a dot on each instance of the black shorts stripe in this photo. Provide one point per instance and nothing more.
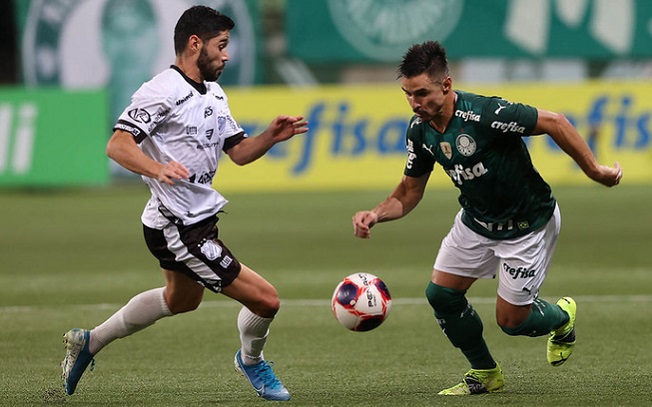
(209, 261)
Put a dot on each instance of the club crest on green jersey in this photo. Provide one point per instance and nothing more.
(465, 145)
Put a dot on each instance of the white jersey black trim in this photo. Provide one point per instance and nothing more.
(174, 118)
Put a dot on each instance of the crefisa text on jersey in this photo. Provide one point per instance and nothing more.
(468, 115)
(511, 127)
(459, 174)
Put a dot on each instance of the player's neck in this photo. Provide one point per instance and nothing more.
(441, 120)
(189, 68)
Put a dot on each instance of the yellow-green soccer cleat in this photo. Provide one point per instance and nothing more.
(562, 340)
(478, 381)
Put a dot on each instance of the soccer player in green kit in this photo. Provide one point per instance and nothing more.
(509, 221)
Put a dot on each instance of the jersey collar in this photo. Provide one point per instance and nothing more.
(199, 87)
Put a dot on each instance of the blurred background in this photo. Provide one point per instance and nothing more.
(69, 67)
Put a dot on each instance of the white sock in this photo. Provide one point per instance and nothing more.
(140, 312)
(253, 335)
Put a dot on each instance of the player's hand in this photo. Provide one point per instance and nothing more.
(609, 176)
(363, 221)
(172, 171)
(285, 127)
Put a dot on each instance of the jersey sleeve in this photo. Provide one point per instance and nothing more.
(148, 108)
(505, 118)
(233, 141)
(227, 126)
(418, 163)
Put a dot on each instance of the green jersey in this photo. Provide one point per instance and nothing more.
(482, 150)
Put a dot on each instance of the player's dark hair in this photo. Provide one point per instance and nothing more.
(429, 57)
(201, 21)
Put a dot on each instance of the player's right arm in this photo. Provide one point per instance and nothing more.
(405, 197)
(123, 149)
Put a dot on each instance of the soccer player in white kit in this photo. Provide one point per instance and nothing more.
(172, 134)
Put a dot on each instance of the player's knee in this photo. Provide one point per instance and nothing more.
(509, 324)
(270, 305)
(180, 308)
(517, 326)
(266, 304)
(179, 305)
(511, 318)
(267, 308)
(445, 301)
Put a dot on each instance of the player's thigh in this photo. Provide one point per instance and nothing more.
(465, 254)
(452, 281)
(182, 293)
(254, 292)
(524, 263)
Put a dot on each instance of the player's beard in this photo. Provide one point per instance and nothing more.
(209, 73)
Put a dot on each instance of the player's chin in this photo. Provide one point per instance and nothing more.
(423, 116)
(214, 77)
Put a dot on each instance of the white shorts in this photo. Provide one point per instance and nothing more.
(521, 263)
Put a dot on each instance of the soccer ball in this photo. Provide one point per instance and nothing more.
(361, 302)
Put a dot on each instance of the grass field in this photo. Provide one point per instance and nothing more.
(71, 258)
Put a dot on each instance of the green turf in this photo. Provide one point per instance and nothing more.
(70, 258)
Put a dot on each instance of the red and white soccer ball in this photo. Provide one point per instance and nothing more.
(361, 302)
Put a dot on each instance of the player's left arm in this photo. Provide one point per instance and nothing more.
(568, 139)
(252, 148)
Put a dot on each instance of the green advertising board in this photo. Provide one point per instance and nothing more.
(322, 31)
(51, 138)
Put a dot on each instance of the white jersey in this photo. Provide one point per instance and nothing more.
(176, 119)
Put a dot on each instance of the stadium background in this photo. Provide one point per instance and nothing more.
(332, 61)
(70, 245)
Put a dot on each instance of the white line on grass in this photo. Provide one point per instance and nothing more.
(326, 303)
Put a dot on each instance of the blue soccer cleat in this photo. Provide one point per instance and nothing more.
(77, 357)
(262, 379)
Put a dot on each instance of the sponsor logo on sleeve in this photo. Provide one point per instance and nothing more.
(221, 124)
(411, 154)
(511, 127)
(140, 115)
(135, 131)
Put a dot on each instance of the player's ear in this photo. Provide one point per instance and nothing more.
(194, 43)
(447, 85)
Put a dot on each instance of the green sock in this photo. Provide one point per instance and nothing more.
(461, 324)
(543, 319)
